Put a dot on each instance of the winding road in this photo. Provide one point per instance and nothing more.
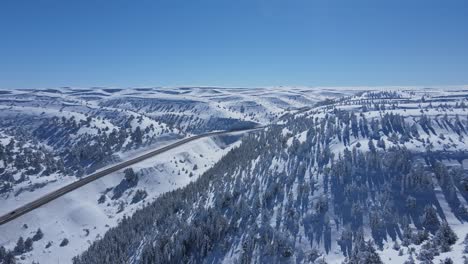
(83, 181)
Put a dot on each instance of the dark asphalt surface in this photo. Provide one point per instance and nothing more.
(83, 181)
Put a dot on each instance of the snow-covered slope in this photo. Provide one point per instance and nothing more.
(81, 130)
(380, 176)
(50, 137)
(87, 213)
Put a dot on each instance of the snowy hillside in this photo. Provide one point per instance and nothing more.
(376, 177)
(87, 213)
(50, 138)
(82, 130)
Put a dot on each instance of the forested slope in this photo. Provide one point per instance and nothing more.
(378, 177)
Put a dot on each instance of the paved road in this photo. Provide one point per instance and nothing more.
(79, 183)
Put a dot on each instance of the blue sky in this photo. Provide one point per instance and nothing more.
(232, 43)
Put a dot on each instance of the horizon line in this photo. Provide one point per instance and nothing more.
(335, 87)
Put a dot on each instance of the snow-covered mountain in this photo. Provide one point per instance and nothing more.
(379, 177)
(51, 137)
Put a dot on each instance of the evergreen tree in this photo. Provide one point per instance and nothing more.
(445, 237)
(430, 219)
(19, 248)
(38, 235)
(64, 242)
(9, 258)
(363, 252)
(130, 176)
(28, 244)
(3, 252)
(137, 136)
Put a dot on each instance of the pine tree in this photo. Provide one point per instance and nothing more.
(19, 248)
(137, 136)
(38, 236)
(9, 258)
(64, 242)
(131, 176)
(28, 244)
(445, 237)
(430, 219)
(363, 252)
(3, 252)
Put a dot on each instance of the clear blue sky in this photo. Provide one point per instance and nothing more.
(232, 43)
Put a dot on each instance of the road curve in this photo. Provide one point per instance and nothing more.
(83, 181)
